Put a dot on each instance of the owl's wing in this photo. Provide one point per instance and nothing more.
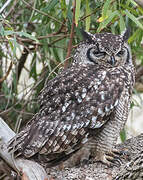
(77, 100)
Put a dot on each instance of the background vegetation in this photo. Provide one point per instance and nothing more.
(47, 32)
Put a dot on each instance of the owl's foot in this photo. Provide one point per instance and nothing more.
(113, 157)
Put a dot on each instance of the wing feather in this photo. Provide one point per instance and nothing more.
(75, 101)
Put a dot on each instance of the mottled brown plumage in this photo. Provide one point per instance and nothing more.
(77, 104)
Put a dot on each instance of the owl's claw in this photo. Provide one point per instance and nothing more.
(115, 157)
(112, 158)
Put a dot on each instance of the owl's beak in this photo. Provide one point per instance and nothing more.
(112, 60)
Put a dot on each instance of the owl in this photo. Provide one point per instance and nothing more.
(87, 102)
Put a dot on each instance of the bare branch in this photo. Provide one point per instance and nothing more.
(5, 5)
(7, 73)
(28, 168)
(43, 13)
(71, 37)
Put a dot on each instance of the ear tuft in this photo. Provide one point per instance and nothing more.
(86, 35)
(126, 34)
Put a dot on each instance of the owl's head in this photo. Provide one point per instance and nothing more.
(104, 49)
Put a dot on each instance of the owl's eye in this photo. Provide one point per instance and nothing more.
(93, 54)
(99, 54)
(120, 53)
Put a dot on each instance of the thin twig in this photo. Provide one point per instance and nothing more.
(23, 112)
(12, 8)
(84, 17)
(4, 6)
(43, 13)
(22, 61)
(56, 40)
(71, 37)
(7, 73)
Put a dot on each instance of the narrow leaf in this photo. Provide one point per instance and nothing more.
(88, 19)
(123, 135)
(51, 5)
(77, 11)
(107, 21)
(7, 32)
(134, 36)
(101, 19)
(133, 2)
(2, 31)
(105, 8)
(63, 8)
(27, 35)
(122, 24)
(133, 18)
(14, 46)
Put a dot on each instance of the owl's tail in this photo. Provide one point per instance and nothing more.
(15, 144)
(56, 159)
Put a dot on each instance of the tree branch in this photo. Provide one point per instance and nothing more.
(28, 168)
(7, 73)
(71, 37)
(43, 13)
(5, 5)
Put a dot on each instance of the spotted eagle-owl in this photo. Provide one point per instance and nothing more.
(88, 100)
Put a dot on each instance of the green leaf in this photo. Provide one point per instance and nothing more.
(122, 24)
(27, 35)
(2, 31)
(7, 32)
(123, 135)
(88, 19)
(14, 46)
(77, 11)
(107, 21)
(51, 5)
(64, 8)
(11, 44)
(105, 8)
(140, 9)
(133, 18)
(134, 36)
(133, 2)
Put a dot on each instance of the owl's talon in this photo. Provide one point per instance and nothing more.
(113, 161)
(114, 157)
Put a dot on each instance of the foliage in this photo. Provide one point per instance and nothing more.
(41, 30)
